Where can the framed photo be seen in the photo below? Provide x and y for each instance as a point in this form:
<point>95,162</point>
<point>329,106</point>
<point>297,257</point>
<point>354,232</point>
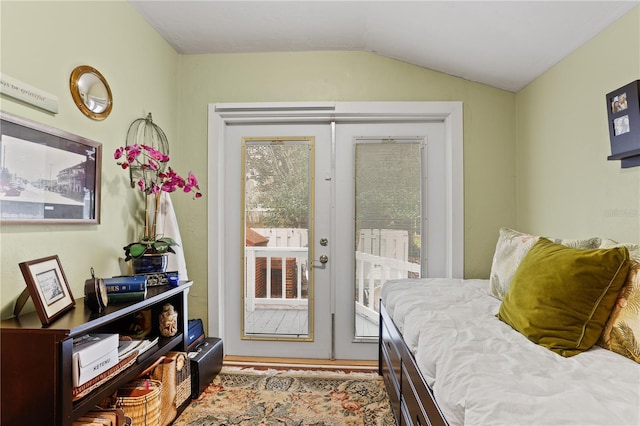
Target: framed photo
<point>619,102</point>
<point>621,125</point>
<point>623,112</point>
<point>48,287</point>
<point>47,175</point>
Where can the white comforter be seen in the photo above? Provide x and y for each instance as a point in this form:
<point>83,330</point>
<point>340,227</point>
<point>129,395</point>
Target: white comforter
<point>483,372</point>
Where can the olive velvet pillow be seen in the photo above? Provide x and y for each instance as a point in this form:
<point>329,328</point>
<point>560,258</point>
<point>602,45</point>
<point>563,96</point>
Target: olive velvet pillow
<point>561,297</point>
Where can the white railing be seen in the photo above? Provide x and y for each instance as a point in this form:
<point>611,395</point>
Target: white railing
<point>371,272</point>
<point>301,256</point>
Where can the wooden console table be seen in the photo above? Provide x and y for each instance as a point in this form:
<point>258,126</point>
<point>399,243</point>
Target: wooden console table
<point>36,367</point>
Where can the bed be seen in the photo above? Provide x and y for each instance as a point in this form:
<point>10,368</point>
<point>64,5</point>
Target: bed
<point>447,357</point>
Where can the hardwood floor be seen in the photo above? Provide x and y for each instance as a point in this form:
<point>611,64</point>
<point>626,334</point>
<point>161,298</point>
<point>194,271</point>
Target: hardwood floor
<point>354,365</point>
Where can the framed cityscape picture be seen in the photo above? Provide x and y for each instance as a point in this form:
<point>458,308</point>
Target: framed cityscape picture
<point>47,175</point>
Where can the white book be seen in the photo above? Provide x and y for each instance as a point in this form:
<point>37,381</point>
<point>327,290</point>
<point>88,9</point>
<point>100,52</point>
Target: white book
<point>126,347</point>
<point>146,345</point>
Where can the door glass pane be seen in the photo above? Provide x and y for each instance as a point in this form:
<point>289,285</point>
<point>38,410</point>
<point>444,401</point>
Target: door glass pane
<point>276,203</point>
<point>387,221</point>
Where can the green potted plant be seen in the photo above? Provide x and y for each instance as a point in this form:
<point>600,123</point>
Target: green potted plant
<point>154,177</point>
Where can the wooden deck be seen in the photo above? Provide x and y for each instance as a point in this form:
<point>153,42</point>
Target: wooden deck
<point>293,322</point>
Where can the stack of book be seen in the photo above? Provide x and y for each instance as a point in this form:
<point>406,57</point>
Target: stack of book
<point>127,347</point>
<point>102,417</point>
<point>130,288</point>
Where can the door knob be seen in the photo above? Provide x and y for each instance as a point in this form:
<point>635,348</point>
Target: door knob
<point>323,259</point>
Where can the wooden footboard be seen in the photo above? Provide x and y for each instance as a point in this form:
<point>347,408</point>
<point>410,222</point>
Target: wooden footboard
<point>412,401</point>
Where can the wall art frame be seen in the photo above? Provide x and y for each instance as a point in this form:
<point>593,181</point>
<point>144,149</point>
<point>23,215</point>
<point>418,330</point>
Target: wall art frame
<point>623,113</point>
<point>48,287</point>
<point>47,175</point>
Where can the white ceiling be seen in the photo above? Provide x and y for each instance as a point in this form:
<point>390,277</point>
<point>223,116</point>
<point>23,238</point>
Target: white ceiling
<point>505,44</point>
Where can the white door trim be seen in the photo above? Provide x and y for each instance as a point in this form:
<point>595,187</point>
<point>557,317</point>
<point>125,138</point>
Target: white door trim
<point>221,115</point>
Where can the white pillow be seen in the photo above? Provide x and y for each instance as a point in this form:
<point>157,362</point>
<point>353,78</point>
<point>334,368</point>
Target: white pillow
<point>512,247</point>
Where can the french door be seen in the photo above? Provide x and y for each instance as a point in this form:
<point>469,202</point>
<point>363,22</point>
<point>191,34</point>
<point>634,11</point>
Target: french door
<point>293,239</point>
<point>278,304</point>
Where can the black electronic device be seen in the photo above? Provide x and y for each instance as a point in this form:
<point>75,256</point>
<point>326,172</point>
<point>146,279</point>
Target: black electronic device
<point>206,363</point>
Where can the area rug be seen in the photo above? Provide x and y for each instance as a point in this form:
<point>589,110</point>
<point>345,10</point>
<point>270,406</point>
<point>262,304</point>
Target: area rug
<point>247,396</point>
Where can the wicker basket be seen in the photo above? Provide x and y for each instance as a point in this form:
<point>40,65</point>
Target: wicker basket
<point>183,377</point>
<point>144,410</point>
<point>174,373</point>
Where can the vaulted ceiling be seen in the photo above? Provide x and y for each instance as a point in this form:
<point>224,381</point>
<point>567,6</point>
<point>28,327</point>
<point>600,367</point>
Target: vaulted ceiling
<point>505,44</point>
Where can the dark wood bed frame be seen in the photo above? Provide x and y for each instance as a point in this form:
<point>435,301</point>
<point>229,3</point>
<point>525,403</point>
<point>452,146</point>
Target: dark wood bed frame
<point>412,401</point>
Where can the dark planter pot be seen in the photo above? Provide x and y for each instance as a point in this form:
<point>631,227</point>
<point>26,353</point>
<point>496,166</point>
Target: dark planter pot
<point>150,263</point>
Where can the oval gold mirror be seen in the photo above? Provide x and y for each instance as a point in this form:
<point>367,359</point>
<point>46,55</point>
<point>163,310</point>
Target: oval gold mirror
<point>91,92</point>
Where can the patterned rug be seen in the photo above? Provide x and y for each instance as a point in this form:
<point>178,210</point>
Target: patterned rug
<point>246,396</point>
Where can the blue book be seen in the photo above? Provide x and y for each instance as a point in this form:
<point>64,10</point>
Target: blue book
<point>126,284</point>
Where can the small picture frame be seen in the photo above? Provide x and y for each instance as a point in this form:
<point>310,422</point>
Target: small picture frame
<point>619,102</point>
<point>48,287</point>
<point>623,113</point>
<point>621,125</point>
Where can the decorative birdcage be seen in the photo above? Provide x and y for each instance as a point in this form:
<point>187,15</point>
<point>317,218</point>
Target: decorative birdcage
<point>146,155</point>
<point>144,131</point>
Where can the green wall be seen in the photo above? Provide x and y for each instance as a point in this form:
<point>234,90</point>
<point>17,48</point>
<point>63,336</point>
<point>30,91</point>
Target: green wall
<point>557,168</point>
<point>566,187</point>
<point>489,130</point>
<point>40,44</point>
